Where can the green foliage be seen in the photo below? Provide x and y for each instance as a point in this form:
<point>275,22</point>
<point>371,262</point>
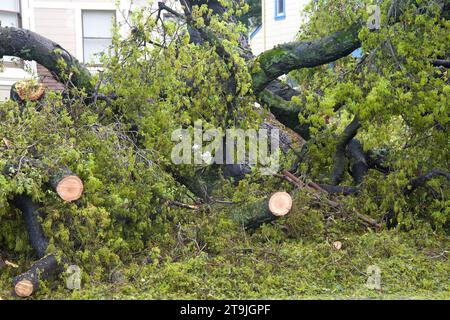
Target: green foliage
<point>400,98</point>
<point>121,150</point>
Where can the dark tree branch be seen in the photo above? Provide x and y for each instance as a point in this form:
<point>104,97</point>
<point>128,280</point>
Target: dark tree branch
<point>358,161</point>
<point>441,63</point>
<point>282,89</point>
<point>296,55</point>
<point>283,110</point>
<point>27,283</point>
<point>423,179</point>
<point>28,45</point>
<point>31,214</point>
<point>377,160</point>
<point>339,156</point>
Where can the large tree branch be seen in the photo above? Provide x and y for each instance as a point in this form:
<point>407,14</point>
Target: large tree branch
<point>423,179</point>
<point>339,156</point>
<point>296,55</point>
<point>31,213</point>
<point>28,45</point>
<point>358,161</point>
<point>282,89</point>
<point>304,54</point>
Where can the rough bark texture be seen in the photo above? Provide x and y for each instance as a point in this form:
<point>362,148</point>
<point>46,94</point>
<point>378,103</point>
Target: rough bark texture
<point>339,157</point>
<point>296,55</point>
<point>31,214</point>
<point>422,179</point>
<point>282,89</point>
<point>253,215</point>
<point>358,162</point>
<point>28,45</point>
<point>284,112</point>
<point>43,269</point>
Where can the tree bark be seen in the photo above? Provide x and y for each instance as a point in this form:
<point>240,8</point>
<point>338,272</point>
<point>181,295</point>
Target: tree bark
<point>31,214</point>
<point>422,179</point>
<point>358,161</point>
<point>304,54</point>
<point>27,283</point>
<point>28,45</point>
<point>339,156</point>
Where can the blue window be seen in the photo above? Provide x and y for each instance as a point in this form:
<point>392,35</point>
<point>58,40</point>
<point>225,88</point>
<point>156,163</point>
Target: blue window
<point>280,9</point>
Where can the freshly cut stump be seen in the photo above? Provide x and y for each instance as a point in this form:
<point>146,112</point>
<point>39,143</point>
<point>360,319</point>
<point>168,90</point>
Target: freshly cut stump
<point>265,210</point>
<point>27,283</point>
<point>70,188</point>
<point>24,288</point>
<point>280,204</point>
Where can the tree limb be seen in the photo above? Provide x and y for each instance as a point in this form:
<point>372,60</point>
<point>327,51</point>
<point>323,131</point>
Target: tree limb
<point>339,156</point>
<point>30,213</point>
<point>358,161</point>
<point>304,54</point>
<point>28,45</point>
<point>422,179</point>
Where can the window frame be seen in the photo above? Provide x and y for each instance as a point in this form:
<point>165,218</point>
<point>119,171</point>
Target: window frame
<point>280,15</point>
<point>18,13</point>
<point>83,37</point>
<point>14,62</point>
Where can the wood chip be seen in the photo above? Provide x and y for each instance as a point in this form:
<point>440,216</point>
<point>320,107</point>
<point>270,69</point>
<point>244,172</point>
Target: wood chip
<point>337,245</point>
<point>13,265</point>
<point>7,143</point>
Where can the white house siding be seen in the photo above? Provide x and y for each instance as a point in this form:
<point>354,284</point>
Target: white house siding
<point>12,72</point>
<point>58,20</point>
<point>257,41</point>
<point>61,21</point>
<point>46,20</point>
<point>273,31</point>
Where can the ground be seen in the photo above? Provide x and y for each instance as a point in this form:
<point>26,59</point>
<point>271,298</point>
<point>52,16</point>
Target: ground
<point>414,265</point>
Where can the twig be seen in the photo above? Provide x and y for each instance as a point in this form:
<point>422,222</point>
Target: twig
<point>184,205</point>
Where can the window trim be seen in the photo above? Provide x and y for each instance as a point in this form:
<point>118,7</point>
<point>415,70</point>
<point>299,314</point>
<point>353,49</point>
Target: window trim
<point>18,12</point>
<point>114,12</point>
<point>14,62</point>
<point>278,15</point>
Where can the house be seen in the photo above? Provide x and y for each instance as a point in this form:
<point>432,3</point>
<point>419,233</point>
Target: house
<point>82,27</point>
<point>281,21</point>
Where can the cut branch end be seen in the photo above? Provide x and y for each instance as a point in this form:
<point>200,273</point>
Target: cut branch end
<point>280,204</point>
<point>24,288</point>
<point>70,188</point>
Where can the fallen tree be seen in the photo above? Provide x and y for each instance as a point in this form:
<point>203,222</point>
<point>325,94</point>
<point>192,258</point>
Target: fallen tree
<point>118,137</point>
